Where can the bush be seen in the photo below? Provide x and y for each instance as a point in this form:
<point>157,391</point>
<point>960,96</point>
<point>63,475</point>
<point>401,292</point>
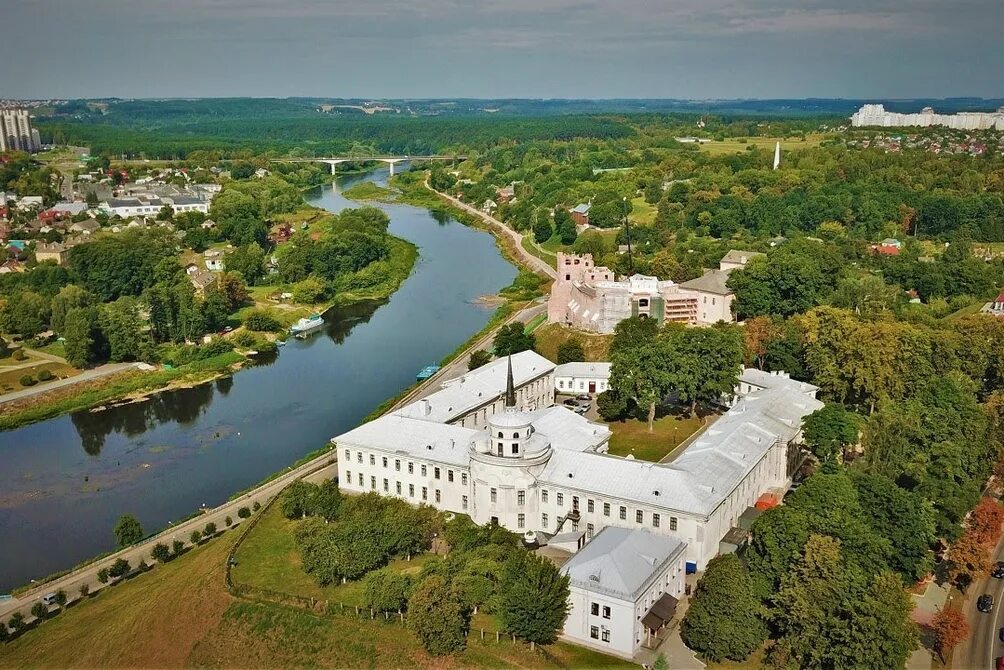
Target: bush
<point>16,621</point>
<point>19,355</point>
<point>611,406</point>
<point>103,575</point>
<point>160,552</point>
<point>479,358</point>
<point>195,536</point>
<point>256,506</point>
<point>209,530</point>
<point>177,547</point>
<point>61,597</point>
<point>120,568</point>
<point>570,351</point>
<point>229,521</point>
<point>39,611</point>
<point>244,339</point>
<point>44,375</point>
<point>386,590</point>
<point>84,590</point>
<point>27,380</point>
<point>262,321</point>
<point>244,512</point>
<point>4,633</point>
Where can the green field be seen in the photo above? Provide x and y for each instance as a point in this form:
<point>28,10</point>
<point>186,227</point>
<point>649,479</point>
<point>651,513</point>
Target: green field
<point>631,436</point>
<point>739,144</point>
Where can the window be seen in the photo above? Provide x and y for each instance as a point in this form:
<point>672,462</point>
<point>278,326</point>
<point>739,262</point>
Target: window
<point>449,475</point>
<point>348,455</point>
<point>520,520</point>
<point>425,493</point>
<point>575,503</point>
<point>639,517</point>
<point>623,513</point>
<point>359,457</point>
<point>372,459</point>
<point>589,505</point>
<point>397,486</point>
<point>411,490</point>
<point>424,471</point>
<point>384,461</point>
<point>348,476</point>
<point>594,631</point>
<point>360,479</point>
<point>606,611</point>
<point>515,449</point>
<point>500,433</point>
<point>439,497</point>
<point>672,523</point>
<point>397,464</point>
<point>655,520</point>
<point>463,502</point>
<point>373,483</point>
<point>594,609</point>
<point>605,636</point>
<point>543,521</point>
<point>606,509</point>
<point>463,478</point>
<point>561,499</point>
<point>411,468</point>
<point>521,498</point>
<point>386,485</point>
<point>494,495</point>
<point>435,473</point>
<point>543,495</point>
<point>589,530</point>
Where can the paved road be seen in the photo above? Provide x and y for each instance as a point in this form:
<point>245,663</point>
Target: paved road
<point>87,375</point>
<point>535,263</point>
<point>983,647</point>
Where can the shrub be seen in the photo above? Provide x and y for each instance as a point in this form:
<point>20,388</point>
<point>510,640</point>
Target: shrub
<point>16,621</point>
<point>119,568</point>
<point>61,597</point>
<point>244,512</point>
<point>4,633</point>
<point>209,530</point>
<point>479,358</point>
<point>262,321</point>
<point>244,339</point>
<point>195,536</point>
<point>229,521</point>
<point>611,406</point>
<point>103,575</point>
<point>177,547</point>
<point>160,552</point>
<point>19,355</point>
<point>84,590</point>
<point>256,506</point>
<point>27,380</point>
<point>44,375</point>
<point>39,611</point>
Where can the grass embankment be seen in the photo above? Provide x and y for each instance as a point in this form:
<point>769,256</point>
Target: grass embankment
<point>10,379</point>
<point>367,190</point>
<point>549,337</point>
<point>89,394</point>
<point>631,437</point>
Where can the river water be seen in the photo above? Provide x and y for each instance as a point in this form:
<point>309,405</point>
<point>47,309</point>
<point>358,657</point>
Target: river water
<point>64,482</point>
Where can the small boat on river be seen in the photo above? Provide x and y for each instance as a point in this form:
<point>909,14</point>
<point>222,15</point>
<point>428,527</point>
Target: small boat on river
<point>307,325</point>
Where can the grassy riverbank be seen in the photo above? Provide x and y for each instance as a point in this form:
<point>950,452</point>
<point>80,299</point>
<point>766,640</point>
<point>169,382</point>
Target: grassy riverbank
<point>129,384</point>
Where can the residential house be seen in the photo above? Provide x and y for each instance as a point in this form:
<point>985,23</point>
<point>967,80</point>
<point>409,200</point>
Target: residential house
<point>580,214</point>
<point>581,377</point>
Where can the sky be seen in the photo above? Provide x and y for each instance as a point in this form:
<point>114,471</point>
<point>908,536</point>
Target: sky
<point>695,49</point>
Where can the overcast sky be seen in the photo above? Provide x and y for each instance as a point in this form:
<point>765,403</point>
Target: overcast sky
<point>504,48</point>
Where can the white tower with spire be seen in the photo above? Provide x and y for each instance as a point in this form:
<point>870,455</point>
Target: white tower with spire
<point>777,155</point>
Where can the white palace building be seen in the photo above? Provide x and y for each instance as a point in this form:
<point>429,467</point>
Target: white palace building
<point>492,444</point>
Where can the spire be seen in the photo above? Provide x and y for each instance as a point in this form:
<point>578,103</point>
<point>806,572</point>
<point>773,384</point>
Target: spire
<point>510,390</point>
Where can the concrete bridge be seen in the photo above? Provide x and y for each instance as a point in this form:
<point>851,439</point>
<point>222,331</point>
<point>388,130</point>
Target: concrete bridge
<point>390,160</point>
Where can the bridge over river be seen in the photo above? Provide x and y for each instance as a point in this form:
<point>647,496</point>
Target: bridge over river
<point>334,161</point>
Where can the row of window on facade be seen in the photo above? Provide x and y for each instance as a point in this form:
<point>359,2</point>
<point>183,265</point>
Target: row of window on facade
<point>622,511</point>
<point>436,471</point>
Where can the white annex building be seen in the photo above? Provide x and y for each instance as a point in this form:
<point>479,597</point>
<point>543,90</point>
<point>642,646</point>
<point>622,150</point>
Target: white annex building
<point>492,445</point>
<point>623,589</point>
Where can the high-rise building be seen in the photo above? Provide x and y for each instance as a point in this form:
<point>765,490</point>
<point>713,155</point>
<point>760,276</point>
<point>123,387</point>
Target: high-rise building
<point>16,133</point>
<point>876,115</point>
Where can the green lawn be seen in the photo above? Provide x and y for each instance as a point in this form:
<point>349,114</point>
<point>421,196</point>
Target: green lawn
<point>739,144</point>
<point>631,436</point>
<point>540,252</point>
<point>642,212</point>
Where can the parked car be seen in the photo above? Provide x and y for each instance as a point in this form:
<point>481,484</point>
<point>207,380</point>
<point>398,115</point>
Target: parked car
<point>985,603</point>
<point>49,599</point>
<point>583,396</point>
<point>582,409</point>
<point>998,570</point>
<point>571,402</point>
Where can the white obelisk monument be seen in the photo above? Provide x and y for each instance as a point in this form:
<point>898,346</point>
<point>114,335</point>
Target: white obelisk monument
<point>777,155</point>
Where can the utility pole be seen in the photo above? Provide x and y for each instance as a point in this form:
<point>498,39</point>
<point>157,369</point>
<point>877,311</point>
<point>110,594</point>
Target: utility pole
<point>627,230</point>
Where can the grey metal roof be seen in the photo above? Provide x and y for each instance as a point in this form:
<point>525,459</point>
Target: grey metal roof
<point>712,281</point>
<point>583,369</point>
<point>621,562</point>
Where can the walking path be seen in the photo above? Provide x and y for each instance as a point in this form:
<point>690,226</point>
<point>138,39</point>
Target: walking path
<point>535,263</point>
<point>87,375</point>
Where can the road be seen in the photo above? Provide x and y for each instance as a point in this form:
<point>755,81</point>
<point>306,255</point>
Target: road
<point>87,375</point>
<point>536,264</point>
<point>983,647</point>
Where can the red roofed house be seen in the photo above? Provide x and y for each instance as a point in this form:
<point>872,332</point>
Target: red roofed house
<point>995,308</point>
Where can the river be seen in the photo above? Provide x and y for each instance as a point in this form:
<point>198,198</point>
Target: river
<point>64,482</point>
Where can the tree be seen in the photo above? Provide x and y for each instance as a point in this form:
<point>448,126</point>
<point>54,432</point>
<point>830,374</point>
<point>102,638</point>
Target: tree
<point>84,590</point>
<point>260,320</point>
<point>479,358</point>
<point>233,289</point>
<point>248,261</point>
<point>970,558</point>
<point>123,328</point>
<point>25,313</point>
<point>327,500</point>
<point>82,337</point>
<point>436,616</point>
<point>243,512</point>
<point>512,338</point>
<point>298,499</point>
<point>985,521</point>
<point>128,531</point>
<point>229,521</point>
<point>830,430</point>
<point>69,297</point>
<point>160,553</point>
<point>4,633</point>
<point>119,568</point>
<point>103,575</point>
<point>950,628</point>
<point>195,537</point>
<point>386,590</point>
<point>725,619</point>
<point>640,372</point>
<point>308,291</point>
<point>570,351</point>
<point>16,622</point>
<point>177,547</point>
<point>611,405</point>
<point>209,530</point>
<point>61,597</point>
<point>542,230</point>
<point>39,611</point>
<point>534,604</point>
